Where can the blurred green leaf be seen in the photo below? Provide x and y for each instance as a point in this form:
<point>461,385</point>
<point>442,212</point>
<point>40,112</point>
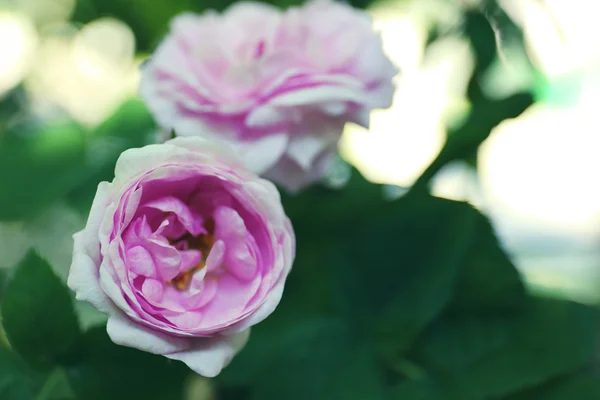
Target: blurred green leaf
<point>105,370</point>
<point>582,385</point>
<point>37,168</point>
<point>488,282</point>
<point>392,276</point>
<point>16,380</point>
<point>128,127</point>
<point>404,267</point>
<point>19,382</point>
<point>3,280</point>
<point>147,18</point>
<point>463,142</point>
<point>483,39</point>
<point>420,390</point>
<point>322,360</point>
<point>333,208</point>
<point>37,313</point>
<point>487,356</point>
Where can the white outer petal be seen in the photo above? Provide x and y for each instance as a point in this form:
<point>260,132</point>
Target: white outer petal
<point>261,154</point>
<point>84,272</point>
<point>125,332</point>
<point>208,356</point>
<point>319,94</point>
<point>258,155</point>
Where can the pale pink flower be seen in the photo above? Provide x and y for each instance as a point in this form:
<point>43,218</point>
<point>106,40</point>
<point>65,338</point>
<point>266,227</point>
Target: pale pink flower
<point>279,86</point>
<point>185,250</point>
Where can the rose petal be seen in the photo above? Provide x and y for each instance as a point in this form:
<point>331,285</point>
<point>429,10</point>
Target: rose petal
<point>140,261</point>
<point>208,356</point>
<point>84,277</point>
<point>216,256</point>
<point>230,228</point>
<point>170,204</point>
<point>125,332</point>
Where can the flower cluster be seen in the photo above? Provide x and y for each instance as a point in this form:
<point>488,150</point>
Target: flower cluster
<point>189,247</point>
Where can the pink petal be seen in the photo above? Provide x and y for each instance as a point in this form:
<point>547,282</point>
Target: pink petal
<point>193,223</point>
<point>189,259</point>
<point>187,320</point>
<point>208,292</point>
<point>140,261</point>
<point>216,256</point>
<point>153,290</point>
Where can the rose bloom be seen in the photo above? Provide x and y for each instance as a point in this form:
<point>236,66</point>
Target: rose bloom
<point>279,86</point>
<point>184,250</point>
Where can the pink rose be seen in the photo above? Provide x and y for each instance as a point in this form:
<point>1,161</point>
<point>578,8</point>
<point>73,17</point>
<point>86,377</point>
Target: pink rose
<point>278,86</point>
<point>185,250</point>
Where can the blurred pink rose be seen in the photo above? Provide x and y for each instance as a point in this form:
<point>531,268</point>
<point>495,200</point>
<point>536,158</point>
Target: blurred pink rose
<point>278,86</point>
<point>184,250</point>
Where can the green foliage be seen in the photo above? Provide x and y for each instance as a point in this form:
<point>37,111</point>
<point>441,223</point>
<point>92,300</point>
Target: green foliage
<point>130,126</point>
<point>486,113</point>
<point>37,313</point>
<point>493,355</point>
<point>583,385</point>
<point>16,381</point>
<point>39,166</point>
<point>107,371</point>
<point>422,303</point>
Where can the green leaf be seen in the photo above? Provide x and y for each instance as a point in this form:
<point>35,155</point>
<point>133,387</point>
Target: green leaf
<point>128,127</point>
<point>463,142</point>
<point>403,268</point>
<point>488,281</point>
<point>483,39</point>
<point>486,113</point>
<point>37,313</point>
<point>489,356</point>
<point>570,387</point>
<point>39,167</point>
<point>147,18</point>
<point>3,279</point>
<point>105,370</point>
<point>333,208</point>
<point>16,380</point>
<point>420,390</point>
<point>55,387</point>
<point>19,382</point>
<point>320,359</point>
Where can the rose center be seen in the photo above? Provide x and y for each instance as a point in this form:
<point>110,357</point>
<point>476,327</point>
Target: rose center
<point>204,244</point>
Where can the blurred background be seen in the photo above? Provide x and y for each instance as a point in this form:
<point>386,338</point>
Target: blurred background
<point>68,78</point>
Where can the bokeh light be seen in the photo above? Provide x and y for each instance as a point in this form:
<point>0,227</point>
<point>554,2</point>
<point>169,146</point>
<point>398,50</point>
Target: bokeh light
<point>542,166</point>
<point>404,139</point>
<point>87,71</point>
<point>562,37</point>
<point>18,42</point>
<point>42,12</point>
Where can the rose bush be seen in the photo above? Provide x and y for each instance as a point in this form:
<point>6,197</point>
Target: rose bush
<point>278,86</point>
<point>185,250</point>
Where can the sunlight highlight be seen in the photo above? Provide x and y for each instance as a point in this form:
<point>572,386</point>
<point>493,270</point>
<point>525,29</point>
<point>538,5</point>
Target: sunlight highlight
<point>18,42</point>
<point>542,168</point>
<point>89,71</point>
<point>562,36</point>
<point>403,140</point>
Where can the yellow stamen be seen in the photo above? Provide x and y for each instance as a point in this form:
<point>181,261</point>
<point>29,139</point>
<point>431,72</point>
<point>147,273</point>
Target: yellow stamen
<point>204,243</point>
